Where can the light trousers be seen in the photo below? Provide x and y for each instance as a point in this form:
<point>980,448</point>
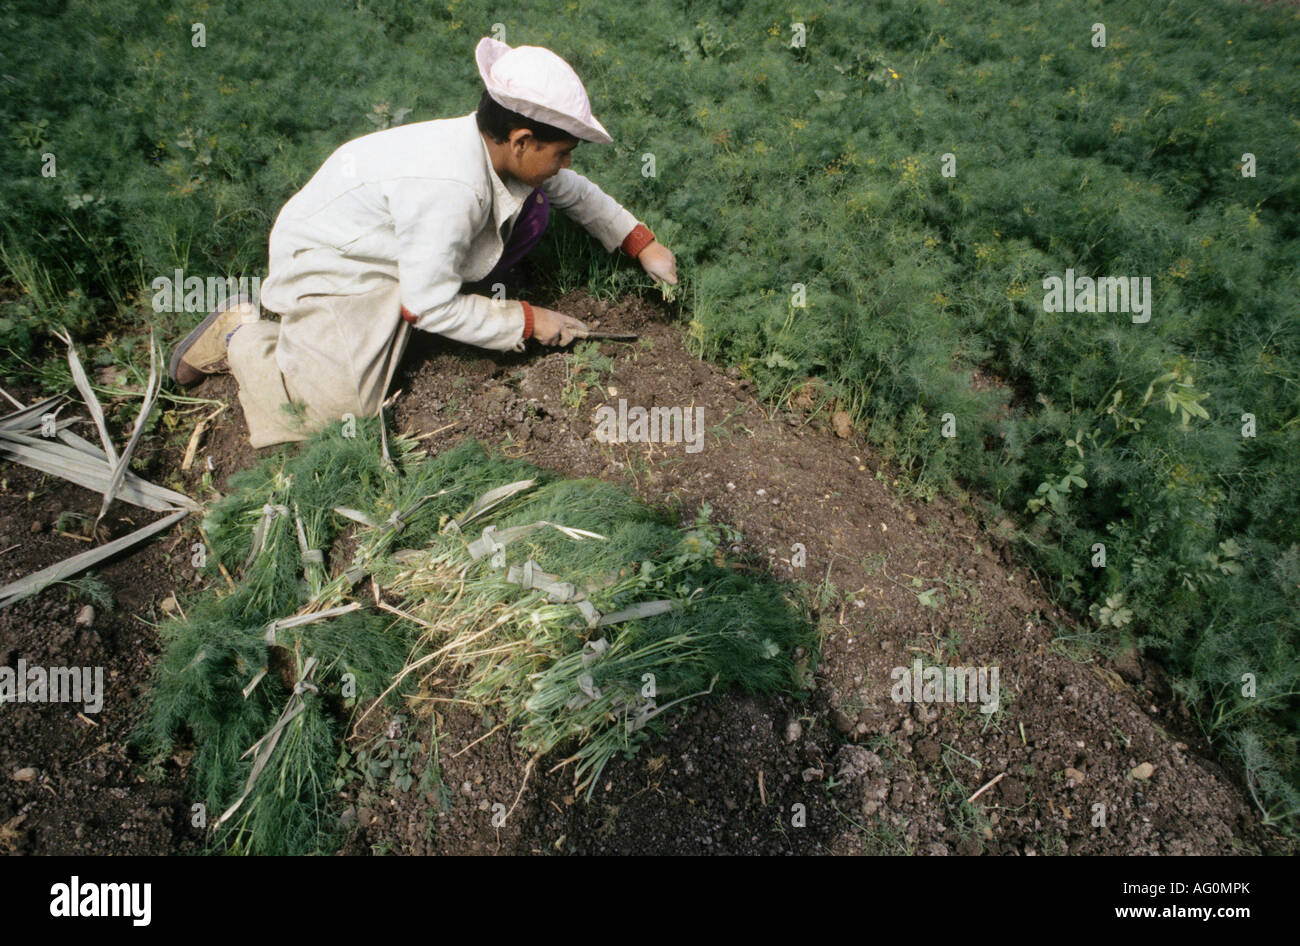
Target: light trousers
<point>331,356</point>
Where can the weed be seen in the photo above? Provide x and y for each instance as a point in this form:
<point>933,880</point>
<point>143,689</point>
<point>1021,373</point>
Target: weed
<point>91,589</point>
<point>583,369</point>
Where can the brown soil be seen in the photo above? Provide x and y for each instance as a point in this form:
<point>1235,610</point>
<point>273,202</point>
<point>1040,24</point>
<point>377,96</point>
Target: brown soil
<point>846,771</point>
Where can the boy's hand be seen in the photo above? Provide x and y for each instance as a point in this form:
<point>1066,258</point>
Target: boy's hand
<point>555,328</point>
<point>657,260</point>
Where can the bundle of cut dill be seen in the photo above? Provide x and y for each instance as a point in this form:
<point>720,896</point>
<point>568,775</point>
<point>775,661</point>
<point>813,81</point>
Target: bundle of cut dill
<point>572,611</point>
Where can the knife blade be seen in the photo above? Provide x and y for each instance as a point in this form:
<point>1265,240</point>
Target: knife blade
<point>608,336</point>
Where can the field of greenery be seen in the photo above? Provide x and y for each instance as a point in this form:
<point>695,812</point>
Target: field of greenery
<point>779,164</point>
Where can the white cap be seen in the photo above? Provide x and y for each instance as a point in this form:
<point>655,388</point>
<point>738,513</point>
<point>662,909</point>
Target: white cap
<point>540,85</point>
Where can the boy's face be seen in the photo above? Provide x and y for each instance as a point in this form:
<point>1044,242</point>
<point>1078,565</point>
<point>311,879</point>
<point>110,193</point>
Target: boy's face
<point>533,161</point>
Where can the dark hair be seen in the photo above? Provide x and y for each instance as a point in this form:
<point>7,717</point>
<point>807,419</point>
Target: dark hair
<point>498,121</point>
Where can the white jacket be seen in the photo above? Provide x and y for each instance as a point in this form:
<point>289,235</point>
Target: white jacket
<point>420,204</point>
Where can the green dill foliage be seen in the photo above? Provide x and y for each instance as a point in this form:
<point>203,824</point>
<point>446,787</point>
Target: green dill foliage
<point>91,589</point>
<point>221,647</point>
<point>226,681</point>
<point>594,689</point>
<point>818,165</point>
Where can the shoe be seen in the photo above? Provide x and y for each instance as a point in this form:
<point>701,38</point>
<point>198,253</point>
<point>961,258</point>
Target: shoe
<point>203,351</point>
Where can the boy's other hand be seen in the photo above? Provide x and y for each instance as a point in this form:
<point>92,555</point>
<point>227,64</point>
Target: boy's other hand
<point>555,328</point>
<point>657,260</point>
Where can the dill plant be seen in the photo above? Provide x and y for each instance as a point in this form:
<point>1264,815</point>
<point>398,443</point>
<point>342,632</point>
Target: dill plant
<point>817,165</point>
<point>231,674</point>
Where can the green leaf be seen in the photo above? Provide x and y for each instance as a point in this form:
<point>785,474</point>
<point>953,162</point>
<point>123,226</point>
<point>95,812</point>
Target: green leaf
<point>930,598</point>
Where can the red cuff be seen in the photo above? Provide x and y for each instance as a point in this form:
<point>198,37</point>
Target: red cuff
<point>408,315</point>
<point>528,319</point>
<point>637,240</point>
